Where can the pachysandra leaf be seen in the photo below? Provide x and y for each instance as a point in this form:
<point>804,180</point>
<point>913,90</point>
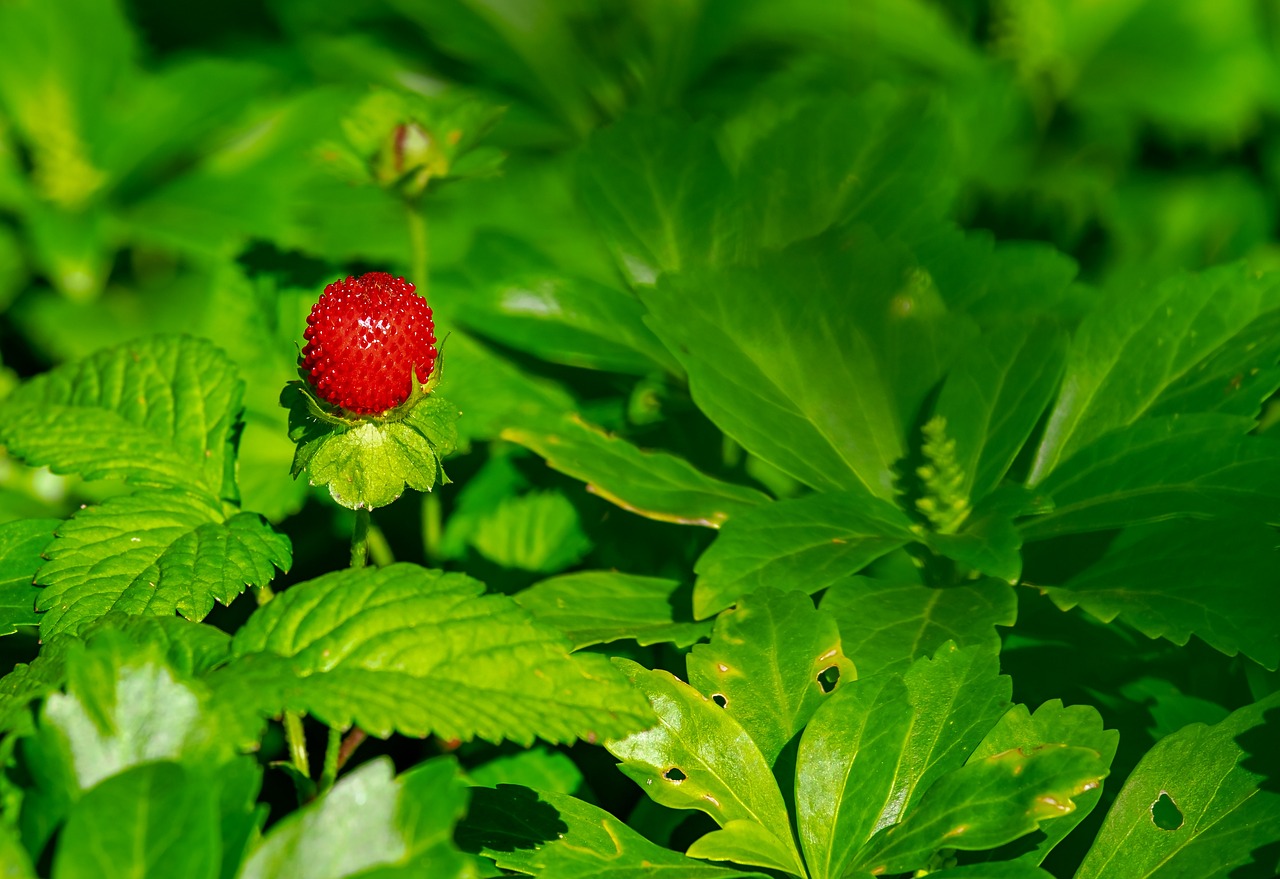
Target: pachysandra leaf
<point>155,552</point>
<point>807,544</point>
<point>1201,802</point>
<point>557,835</point>
<point>1168,581</point>
<point>21,544</point>
<point>699,757</point>
<point>656,485</point>
<point>162,411</point>
<point>597,607</point>
<point>771,663</point>
<point>885,625</point>
<point>419,651</point>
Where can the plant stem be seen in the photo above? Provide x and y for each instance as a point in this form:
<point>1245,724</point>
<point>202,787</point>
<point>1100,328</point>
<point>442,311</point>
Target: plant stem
<point>297,742</point>
<point>379,549</point>
<point>263,593</point>
<point>431,527</point>
<point>329,774</point>
<point>349,745</point>
<point>417,245</point>
<point>360,540</point>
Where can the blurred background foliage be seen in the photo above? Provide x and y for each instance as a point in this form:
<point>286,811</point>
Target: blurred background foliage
<point>208,168</point>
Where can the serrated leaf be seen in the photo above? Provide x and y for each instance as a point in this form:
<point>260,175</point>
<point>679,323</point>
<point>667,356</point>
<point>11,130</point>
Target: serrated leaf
<point>1196,466</point>
<point>418,651</point>
<point>155,551</point>
<point>699,757</point>
<point>538,531</point>
<point>542,833</point>
<point>369,820</point>
<point>1200,802</point>
<point>989,542</point>
<point>657,485</point>
<point>368,464</point>
<point>1134,346</point>
<point>771,662</point>
<point>21,543</point>
<point>873,749</point>
<point>1169,581</point>
<point>161,411</point>
<point>985,803</point>
<point>1079,726</point>
<point>805,544</point>
<point>597,607</point>
<point>157,813</point>
<point>1235,379</point>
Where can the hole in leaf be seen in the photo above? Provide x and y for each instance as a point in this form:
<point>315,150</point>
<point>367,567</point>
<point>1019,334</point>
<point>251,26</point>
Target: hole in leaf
<point>1165,813</point>
<point>828,678</point>
<point>674,774</point>
<point>719,699</point>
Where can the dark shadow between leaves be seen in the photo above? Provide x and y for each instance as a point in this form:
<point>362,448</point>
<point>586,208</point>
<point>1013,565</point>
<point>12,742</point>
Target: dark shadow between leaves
<point>508,818</point>
<point>1260,753</point>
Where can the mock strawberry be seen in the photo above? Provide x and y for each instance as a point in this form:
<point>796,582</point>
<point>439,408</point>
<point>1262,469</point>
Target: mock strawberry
<point>365,339</point>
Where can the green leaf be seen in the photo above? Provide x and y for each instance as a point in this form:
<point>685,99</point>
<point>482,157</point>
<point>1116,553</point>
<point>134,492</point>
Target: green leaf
<point>1197,466</point>
<point>418,651</point>
<point>367,464</point>
<point>15,863</point>
<point>541,833</point>
<point>538,767</point>
<point>1236,379</point>
<point>805,544</point>
<point>597,607</point>
<point>1134,346</point>
<point>771,662</point>
<point>699,757</point>
<point>370,819</point>
<point>987,802</point>
<point>1079,726</point>
<point>989,542</point>
<point>539,531</point>
<point>154,552</point>
<point>878,744</point>
<point>161,412</point>
<point>996,393</point>
<point>21,543</point>
<point>885,625</point>
<point>657,485</point>
<point>1169,581</point>
<point>152,815</point>
<point>1196,805</point>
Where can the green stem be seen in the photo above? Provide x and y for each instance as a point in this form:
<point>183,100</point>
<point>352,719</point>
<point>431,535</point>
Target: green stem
<point>379,549</point>
<point>263,594</point>
<point>329,774</point>
<point>432,527</point>
<point>360,540</point>
<point>417,245</point>
<point>297,742</point>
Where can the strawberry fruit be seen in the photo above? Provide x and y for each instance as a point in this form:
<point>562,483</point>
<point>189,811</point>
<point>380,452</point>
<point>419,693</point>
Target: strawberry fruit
<point>366,339</point>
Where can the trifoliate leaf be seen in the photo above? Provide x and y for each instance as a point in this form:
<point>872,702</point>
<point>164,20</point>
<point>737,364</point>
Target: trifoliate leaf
<point>161,411</point>
<point>21,543</point>
<point>419,651</point>
<point>155,552</point>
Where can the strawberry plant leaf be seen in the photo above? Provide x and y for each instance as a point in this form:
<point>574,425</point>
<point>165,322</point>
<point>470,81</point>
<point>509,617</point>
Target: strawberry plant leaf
<point>597,607</point>
<point>700,757</point>
<point>995,395</point>
<point>542,833</point>
<point>1079,726</point>
<point>656,485</point>
<point>418,651</point>
<point>873,749</point>
<point>21,542</point>
<point>771,662</point>
<point>987,802</point>
<point>155,551</point>
<point>368,464</point>
<point>162,411</point>
<point>1167,581</point>
<point>1196,466</point>
<point>402,827</point>
<point>885,625</point>
<point>1132,347</point>
<point>155,813</point>
<point>807,544</point>
<point>539,531</point>
<point>1200,802</point>
<point>538,767</point>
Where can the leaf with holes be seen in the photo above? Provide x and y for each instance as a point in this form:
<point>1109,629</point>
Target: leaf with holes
<point>699,757</point>
<point>162,411</point>
<point>416,651</point>
<point>1204,800</point>
<point>155,552</point>
<point>771,663</point>
<point>21,543</point>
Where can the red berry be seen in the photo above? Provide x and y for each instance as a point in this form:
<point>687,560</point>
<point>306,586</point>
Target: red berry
<point>364,338</point>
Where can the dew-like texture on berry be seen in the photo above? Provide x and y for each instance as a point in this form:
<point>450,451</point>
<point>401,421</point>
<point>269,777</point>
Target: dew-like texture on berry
<point>365,337</point>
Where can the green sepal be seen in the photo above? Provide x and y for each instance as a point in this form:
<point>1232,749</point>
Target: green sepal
<point>366,462</point>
